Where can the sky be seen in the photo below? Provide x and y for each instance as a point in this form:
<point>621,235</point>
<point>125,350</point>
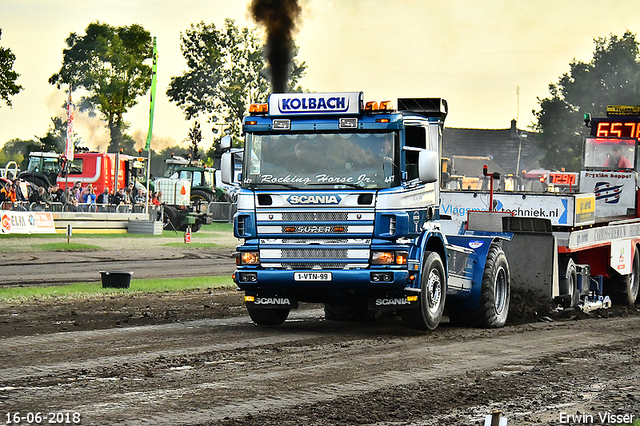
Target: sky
<point>490,59</point>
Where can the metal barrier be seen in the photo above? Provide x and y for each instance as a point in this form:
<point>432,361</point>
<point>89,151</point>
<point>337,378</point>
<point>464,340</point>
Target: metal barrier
<point>74,208</point>
<point>221,211</point>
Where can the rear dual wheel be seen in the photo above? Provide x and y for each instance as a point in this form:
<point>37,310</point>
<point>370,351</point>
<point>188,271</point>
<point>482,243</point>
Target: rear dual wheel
<point>495,295</point>
<point>625,287</point>
<point>569,284</point>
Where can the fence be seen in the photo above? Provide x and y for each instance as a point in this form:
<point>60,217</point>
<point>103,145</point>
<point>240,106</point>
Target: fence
<point>89,216</point>
<point>222,212</point>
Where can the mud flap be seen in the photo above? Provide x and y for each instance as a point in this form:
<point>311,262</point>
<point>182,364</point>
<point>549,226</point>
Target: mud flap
<point>270,302</point>
<point>533,257</point>
<point>391,303</point>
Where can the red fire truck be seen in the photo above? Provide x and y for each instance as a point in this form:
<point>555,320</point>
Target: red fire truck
<point>102,170</point>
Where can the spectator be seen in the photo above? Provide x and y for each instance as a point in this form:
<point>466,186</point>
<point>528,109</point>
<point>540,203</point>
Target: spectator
<point>8,196</point>
<point>133,189</point>
<point>122,197</point>
<point>21,188</point>
<point>88,196</point>
<point>141,198</point>
<point>157,198</point>
<point>78,186</point>
<point>75,194</point>
<point>128,193</point>
<point>64,197</point>
<point>9,192</point>
<point>104,197</point>
<point>54,193</point>
<point>41,196</point>
<point>69,199</point>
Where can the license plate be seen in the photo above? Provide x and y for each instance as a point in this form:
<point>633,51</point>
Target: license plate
<point>312,276</point>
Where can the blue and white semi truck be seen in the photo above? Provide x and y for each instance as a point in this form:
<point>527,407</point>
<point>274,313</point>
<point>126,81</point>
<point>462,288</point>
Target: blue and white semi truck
<point>339,205</point>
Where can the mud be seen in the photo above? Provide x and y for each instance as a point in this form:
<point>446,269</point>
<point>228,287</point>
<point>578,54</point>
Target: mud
<point>195,358</point>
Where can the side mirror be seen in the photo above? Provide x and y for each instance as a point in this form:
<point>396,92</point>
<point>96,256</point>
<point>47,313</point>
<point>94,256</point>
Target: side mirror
<point>225,142</point>
<point>428,166</point>
<point>226,168</point>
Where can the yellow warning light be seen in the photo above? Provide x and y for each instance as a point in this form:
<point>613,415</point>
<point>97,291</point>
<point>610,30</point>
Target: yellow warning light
<point>412,298</point>
<point>249,299</point>
<point>385,106</point>
<point>258,108</point>
<point>371,106</point>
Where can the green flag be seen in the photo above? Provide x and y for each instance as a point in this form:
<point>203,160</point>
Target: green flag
<point>153,93</point>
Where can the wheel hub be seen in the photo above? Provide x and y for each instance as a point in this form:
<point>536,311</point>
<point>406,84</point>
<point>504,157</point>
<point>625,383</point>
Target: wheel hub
<point>434,291</point>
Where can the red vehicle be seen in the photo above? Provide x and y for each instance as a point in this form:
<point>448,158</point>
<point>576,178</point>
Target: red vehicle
<point>100,169</point>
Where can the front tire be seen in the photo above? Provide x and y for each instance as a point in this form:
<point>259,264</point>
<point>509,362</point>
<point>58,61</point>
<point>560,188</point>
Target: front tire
<point>432,297</point>
<point>268,317</point>
<point>170,218</point>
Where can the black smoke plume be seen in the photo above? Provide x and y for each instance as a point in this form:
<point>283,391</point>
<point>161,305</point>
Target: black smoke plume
<point>279,19</point>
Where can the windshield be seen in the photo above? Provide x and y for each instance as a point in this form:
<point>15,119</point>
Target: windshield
<point>609,153</point>
<point>48,165</point>
<point>336,160</point>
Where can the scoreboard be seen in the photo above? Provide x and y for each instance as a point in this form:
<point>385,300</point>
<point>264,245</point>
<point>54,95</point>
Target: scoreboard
<point>622,121</point>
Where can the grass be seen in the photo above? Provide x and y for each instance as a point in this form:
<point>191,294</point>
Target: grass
<point>92,241</point>
<point>193,245</point>
<point>214,228</point>
<point>88,290</point>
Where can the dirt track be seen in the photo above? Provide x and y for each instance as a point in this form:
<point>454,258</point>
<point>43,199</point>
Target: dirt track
<point>195,358</point>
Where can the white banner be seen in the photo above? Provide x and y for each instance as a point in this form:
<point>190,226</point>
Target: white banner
<point>69,151</point>
<point>27,222</point>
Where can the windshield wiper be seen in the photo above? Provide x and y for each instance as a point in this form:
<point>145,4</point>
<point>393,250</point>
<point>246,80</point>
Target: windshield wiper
<point>286,185</point>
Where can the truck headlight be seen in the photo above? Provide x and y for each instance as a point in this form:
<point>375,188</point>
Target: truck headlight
<point>248,258</point>
<point>389,257</point>
<point>382,258</point>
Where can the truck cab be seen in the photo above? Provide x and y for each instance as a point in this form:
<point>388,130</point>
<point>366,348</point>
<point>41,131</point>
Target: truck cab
<point>339,205</point>
<point>42,169</point>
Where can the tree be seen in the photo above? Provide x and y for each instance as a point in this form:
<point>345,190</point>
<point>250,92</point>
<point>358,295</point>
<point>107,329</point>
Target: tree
<point>226,73</point>
<point>8,76</point>
<point>109,63</point>
<point>56,137</point>
<point>18,150</point>
<point>195,138</point>
<point>612,77</point>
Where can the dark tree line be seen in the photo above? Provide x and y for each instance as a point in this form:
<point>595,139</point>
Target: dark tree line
<point>612,77</point>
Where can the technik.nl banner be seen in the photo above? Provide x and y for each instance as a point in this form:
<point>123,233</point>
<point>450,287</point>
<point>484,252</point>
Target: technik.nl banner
<point>27,222</point>
<point>457,205</point>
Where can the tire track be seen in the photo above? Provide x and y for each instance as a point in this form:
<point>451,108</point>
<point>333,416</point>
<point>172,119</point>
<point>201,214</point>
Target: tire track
<point>251,370</point>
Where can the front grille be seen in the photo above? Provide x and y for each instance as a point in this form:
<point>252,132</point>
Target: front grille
<point>308,253</point>
<point>315,265</point>
<point>323,241</point>
<point>314,229</point>
<point>309,216</point>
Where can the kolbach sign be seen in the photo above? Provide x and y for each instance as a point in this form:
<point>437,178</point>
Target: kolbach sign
<point>27,222</point>
<point>283,104</point>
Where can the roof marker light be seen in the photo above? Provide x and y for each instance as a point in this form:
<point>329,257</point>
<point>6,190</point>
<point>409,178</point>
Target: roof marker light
<point>258,108</point>
<point>371,106</point>
<point>386,106</point>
